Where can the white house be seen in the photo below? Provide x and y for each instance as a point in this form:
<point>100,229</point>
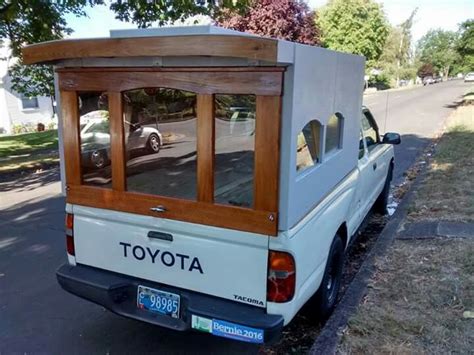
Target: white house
<point>16,109</point>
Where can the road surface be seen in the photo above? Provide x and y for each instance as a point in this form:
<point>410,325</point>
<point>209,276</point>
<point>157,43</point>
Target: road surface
<point>37,316</point>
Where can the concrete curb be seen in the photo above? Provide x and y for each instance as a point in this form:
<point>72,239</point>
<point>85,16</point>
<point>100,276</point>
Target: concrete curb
<point>328,339</point>
<point>436,229</point>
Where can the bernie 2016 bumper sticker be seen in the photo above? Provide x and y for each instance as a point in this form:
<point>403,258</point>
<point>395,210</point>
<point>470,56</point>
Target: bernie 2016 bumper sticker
<point>227,329</point>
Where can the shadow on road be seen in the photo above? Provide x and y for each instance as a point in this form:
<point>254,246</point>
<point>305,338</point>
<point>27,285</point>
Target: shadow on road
<point>28,181</point>
<point>407,153</point>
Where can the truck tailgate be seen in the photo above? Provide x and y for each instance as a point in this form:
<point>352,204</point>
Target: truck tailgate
<point>215,261</point>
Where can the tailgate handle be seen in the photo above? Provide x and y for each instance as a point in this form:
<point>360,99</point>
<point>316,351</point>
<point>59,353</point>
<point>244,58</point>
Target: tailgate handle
<point>158,209</point>
<point>160,235</point>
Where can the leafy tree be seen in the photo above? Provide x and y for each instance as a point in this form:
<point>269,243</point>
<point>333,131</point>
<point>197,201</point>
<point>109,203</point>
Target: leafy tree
<point>354,26</point>
<point>465,46</point>
<point>31,21</point>
<point>23,22</point>
<point>283,19</point>
<point>426,69</point>
<point>145,13</point>
<point>438,47</point>
<point>396,59</point>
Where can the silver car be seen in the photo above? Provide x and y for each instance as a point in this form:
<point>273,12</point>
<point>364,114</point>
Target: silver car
<point>95,141</point>
<point>469,77</point>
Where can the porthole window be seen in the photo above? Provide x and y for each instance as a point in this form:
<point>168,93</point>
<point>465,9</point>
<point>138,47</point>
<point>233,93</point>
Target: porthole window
<point>334,133</point>
<point>308,146</point>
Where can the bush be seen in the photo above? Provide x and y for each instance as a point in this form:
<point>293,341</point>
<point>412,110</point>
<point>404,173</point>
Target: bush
<point>23,128</point>
<point>381,82</point>
<point>52,125</point>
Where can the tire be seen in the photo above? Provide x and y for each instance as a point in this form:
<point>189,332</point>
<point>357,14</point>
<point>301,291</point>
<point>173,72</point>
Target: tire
<point>325,298</point>
<point>380,205</point>
<point>153,144</point>
<point>99,159</point>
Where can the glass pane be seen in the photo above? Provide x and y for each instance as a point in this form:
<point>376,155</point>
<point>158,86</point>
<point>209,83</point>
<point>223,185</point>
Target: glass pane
<point>95,139</point>
<point>370,134</point>
<point>308,143</point>
<point>29,102</point>
<point>160,140</point>
<point>235,147</point>
<point>333,133</point>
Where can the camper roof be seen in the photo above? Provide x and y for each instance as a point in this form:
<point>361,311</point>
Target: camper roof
<point>209,41</point>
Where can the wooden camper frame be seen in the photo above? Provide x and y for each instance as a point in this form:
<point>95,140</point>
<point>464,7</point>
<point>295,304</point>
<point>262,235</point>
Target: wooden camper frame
<point>264,82</point>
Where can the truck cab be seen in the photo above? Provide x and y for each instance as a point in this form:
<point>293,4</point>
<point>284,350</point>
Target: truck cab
<point>265,168</point>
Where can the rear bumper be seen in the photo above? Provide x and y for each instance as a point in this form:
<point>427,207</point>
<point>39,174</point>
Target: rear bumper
<point>118,293</point>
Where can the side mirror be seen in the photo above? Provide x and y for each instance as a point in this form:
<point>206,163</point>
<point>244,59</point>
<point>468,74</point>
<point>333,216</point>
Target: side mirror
<point>135,126</point>
<point>391,138</point>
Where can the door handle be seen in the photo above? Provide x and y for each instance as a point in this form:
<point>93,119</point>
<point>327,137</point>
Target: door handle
<point>159,208</point>
<point>374,166</point>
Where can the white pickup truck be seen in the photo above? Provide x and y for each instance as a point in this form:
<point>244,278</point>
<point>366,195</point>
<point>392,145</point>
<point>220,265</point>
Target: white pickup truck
<point>267,168</point>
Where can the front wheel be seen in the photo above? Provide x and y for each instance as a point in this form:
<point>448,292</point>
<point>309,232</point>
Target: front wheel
<point>325,298</point>
<point>153,144</point>
<point>380,205</point>
<point>99,159</point>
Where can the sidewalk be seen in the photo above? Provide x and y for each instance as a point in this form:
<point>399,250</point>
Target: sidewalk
<point>420,298</point>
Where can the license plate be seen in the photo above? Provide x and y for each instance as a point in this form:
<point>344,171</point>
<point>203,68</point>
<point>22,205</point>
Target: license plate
<point>158,301</point>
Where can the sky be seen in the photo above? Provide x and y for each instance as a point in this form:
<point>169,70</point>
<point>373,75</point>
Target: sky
<point>445,14</point>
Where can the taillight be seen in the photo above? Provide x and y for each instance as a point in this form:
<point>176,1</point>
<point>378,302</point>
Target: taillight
<point>70,234</point>
<point>281,277</point>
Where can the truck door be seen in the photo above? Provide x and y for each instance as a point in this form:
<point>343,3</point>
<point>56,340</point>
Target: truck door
<point>372,164</point>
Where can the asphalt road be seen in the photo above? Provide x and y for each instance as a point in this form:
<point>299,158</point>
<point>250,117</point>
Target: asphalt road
<point>37,316</point>
<point>417,114</point>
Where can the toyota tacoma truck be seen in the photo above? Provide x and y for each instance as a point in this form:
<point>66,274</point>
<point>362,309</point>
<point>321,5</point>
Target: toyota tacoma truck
<point>267,167</point>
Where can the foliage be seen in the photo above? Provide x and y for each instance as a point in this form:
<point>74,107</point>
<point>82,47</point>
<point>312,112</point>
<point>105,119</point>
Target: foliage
<point>396,59</point>
<point>283,19</point>
<point>465,46</point>
<point>24,22</point>
<point>31,21</point>
<point>438,47</point>
<point>426,69</point>
<point>354,26</point>
<point>32,80</point>
<point>144,13</point>
<point>381,81</point>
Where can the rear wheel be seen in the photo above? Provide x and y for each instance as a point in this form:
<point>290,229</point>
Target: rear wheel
<point>380,205</point>
<point>325,298</point>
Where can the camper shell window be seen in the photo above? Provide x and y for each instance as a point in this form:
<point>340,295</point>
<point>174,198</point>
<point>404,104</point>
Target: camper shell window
<point>199,145</point>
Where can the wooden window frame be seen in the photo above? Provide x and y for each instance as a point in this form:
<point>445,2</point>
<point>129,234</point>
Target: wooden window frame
<point>265,83</point>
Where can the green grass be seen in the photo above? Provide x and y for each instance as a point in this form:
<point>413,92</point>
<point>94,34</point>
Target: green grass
<point>447,192</point>
<point>28,150</point>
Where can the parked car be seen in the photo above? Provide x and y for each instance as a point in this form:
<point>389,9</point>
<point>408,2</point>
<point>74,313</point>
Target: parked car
<point>469,77</point>
<point>428,80</point>
<point>95,141</point>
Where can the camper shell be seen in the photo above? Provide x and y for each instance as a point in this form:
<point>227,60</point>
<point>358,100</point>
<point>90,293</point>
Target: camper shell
<point>271,164</point>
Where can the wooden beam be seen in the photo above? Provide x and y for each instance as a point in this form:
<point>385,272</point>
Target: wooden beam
<point>117,141</point>
<point>205,147</point>
<point>254,48</point>
<point>169,69</point>
<point>71,139</point>
<point>224,216</point>
<point>257,83</point>
<point>267,153</point>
